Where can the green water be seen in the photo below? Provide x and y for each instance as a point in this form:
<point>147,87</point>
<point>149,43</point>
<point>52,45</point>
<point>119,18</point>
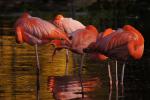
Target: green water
<point>18,76</point>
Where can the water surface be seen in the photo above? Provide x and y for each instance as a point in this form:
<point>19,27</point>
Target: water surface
<point>18,75</point>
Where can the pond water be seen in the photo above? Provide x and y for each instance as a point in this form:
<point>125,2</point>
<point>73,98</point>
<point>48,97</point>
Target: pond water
<point>18,75</point>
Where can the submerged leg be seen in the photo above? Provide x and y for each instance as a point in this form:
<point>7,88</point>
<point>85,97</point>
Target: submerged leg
<point>122,78</point>
<point>37,73</point>
<point>110,77</point>
<point>81,64</point>
<point>122,75</point>
<point>80,75</point>
<point>67,61</point>
<point>54,52</point>
<point>110,94</point>
<point>116,73</point>
<point>81,84</point>
<point>117,92</point>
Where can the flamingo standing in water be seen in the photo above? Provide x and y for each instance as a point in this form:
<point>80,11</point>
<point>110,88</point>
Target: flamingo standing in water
<point>119,45</point>
<point>36,31</point>
<point>69,26</point>
<point>82,38</point>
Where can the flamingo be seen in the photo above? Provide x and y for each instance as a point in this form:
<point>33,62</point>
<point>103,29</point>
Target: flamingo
<point>36,31</point>
<point>82,38</point>
<point>119,45</point>
<point>69,26</point>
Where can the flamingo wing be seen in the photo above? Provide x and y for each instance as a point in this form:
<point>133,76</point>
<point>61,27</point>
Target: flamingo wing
<point>136,47</point>
<point>36,27</point>
<point>39,28</point>
<point>83,38</point>
<point>69,25</point>
<point>115,44</point>
<point>119,44</point>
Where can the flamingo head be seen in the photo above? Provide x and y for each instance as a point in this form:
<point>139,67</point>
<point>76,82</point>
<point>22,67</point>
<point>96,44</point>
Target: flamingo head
<point>59,17</point>
<point>58,21</point>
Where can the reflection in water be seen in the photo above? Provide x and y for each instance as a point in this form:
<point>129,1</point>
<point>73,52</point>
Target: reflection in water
<point>18,76</point>
<point>110,94</point>
<point>69,87</point>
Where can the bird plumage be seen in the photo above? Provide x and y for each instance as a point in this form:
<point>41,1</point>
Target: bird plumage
<point>83,37</point>
<point>68,25</point>
<point>120,43</point>
<point>34,30</point>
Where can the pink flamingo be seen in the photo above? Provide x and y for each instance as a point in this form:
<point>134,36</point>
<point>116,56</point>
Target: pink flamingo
<point>119,45</point>
<point>36,31</point>
<point>82,38</point>
<point>69,26</point>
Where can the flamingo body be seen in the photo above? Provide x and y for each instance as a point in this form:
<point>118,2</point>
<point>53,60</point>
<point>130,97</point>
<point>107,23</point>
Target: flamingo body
<point>121,44</point>
<point>33,30</point>
<point>82,38</point>
<point>36,31</point>
<point>68,25</point>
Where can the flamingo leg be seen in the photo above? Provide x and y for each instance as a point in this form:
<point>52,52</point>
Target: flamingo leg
<point>109,73</point>
<point>116,80</point>
<point>116,73</point>
<point>37,73</point>
<point>81,64</point>
<point>81,84</point>
<point>80,74</point>
<point>67,61</point>
<point>122,78</point>
<point>54,52</point>
<point>122,75</point>
<point>117,92</point>
<point>110,94</point>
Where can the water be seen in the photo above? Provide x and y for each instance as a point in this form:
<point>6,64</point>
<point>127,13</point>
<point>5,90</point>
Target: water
<point>18,76</point>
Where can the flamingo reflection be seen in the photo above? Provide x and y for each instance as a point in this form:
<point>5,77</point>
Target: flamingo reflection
<point>119,92</point>
<point>67,87</point>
